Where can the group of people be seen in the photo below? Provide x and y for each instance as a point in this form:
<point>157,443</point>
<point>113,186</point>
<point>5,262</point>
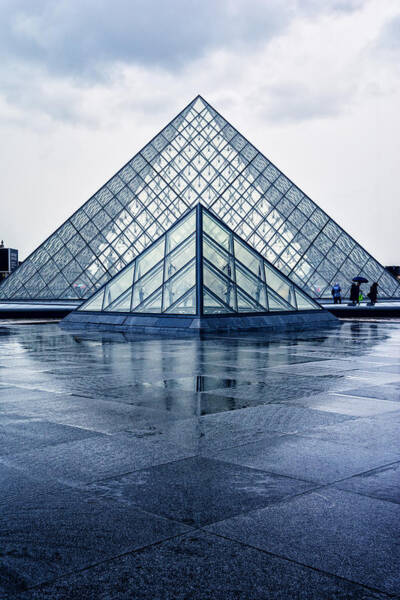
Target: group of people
<point>356,295</point>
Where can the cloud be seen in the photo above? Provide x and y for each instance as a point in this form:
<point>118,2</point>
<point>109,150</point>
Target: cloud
<point>80,39</point>
<point>388,40</point>
<point>295,101</point>
<point>332,6</point>
<point>84,38</point>
<point>57,58</point>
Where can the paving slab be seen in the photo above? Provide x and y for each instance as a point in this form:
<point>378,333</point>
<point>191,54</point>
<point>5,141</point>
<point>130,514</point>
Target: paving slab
<point>347,404</point>
<point>316,460</point>
<point>54,535</point>
<point>379,392</point>
<point>94,414</point>
<point>383,483</point>
<point>22,436</point>
<point>200,566</point>
<point>199,490</point>
<point>97,458</point>
<point>379,433</point>
<point>345,534</point>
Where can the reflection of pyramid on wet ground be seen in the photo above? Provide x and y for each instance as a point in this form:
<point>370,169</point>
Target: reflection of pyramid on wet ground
<point>198,157</point>
<point>198,268</point>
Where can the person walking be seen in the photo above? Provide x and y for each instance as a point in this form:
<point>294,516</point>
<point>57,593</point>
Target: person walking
<point>336,293</point>
<point>373,293</point>
<point>354,293</point>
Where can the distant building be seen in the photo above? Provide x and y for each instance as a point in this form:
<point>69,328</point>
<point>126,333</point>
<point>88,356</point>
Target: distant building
<point>8,260</point>
<point>393,270</point>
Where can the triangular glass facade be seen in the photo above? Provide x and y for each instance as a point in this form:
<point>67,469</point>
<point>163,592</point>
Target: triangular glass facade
<point>198,157</point>
<point>199,267</point>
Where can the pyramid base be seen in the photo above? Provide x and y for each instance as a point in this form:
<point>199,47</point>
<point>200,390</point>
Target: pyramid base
<point>178,325</point>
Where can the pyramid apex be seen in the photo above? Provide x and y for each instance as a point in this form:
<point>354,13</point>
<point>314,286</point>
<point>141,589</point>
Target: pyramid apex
<point>199,103</point>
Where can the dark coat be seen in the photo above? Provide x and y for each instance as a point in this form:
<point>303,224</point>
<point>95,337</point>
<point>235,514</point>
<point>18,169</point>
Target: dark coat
<point>373,292</point>
<point>354,292</point>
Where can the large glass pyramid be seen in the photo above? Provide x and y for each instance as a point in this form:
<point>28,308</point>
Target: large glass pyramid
<point>199,267</point>
<point>198,157</point>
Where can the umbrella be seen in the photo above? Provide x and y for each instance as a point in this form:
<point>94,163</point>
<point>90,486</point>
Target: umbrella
<point>360,280</point>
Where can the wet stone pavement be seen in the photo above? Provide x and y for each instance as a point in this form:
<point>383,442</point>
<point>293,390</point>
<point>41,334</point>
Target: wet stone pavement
<point>246,467</point>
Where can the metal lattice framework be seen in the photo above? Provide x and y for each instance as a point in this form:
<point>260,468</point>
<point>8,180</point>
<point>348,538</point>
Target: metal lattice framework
<point>199,267</point>
<point>198,158</point>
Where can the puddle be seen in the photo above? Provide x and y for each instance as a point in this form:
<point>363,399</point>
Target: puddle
<point>199,383</point>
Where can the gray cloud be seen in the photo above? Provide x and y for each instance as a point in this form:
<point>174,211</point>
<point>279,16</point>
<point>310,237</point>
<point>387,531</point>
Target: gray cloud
<point>80,38</point>
<point>289,102</point>
<point>53,53</point>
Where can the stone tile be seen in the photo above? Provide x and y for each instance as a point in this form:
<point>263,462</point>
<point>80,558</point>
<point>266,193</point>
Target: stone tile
<point>22,436</point>
<point>346,404</point>
<point>17,489</point>
<point>369,377</point>
<point>306,458</point>
<point>280,418</point>
<point>379,392</point>
<point>382,368</point>
<point>379,434</point>
<point>199,490</point>
<point>95,414</point>
<point>200,566</point>
<point>344,534</point>
<point>201,434</point>
<point>383,483</point>
<point>237,427</point>
<point>317,369</point>
<point>14,393</point>
<point>277,391</point>
<point>54,535</point>
<point>96,458</point>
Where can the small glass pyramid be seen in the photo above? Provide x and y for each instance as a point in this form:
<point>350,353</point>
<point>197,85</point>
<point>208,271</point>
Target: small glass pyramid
<point>199,267</point>
<point>197,158</point>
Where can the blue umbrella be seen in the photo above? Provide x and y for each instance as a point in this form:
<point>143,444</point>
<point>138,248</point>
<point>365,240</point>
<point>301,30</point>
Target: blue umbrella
<point>360,279</point>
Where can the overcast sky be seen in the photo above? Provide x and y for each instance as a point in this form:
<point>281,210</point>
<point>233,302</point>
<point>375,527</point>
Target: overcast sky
<point>314,84</point>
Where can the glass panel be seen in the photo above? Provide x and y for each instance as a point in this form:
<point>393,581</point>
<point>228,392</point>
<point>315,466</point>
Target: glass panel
<point>218,257</point>
<point>222,287</point>
<point>117,286</point>
<point>184,306</point>
<point>304,303</point>
<point>213,306</point>
<point>253,286</point>
<point>275,302</point>
<point>95,303</point>
<point>150,258</point>
<point>122,304</point>
<point>179,285</point>
<point>372,270</point>
<point>147,285</point>
<point>151,305</point>
<point>279,285</point>
<point>317,284</point>
<point>180,257</point>
<point>217,233</point>
<point>248,258</point>
<point>181,232</point>
<point>246,304</point>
